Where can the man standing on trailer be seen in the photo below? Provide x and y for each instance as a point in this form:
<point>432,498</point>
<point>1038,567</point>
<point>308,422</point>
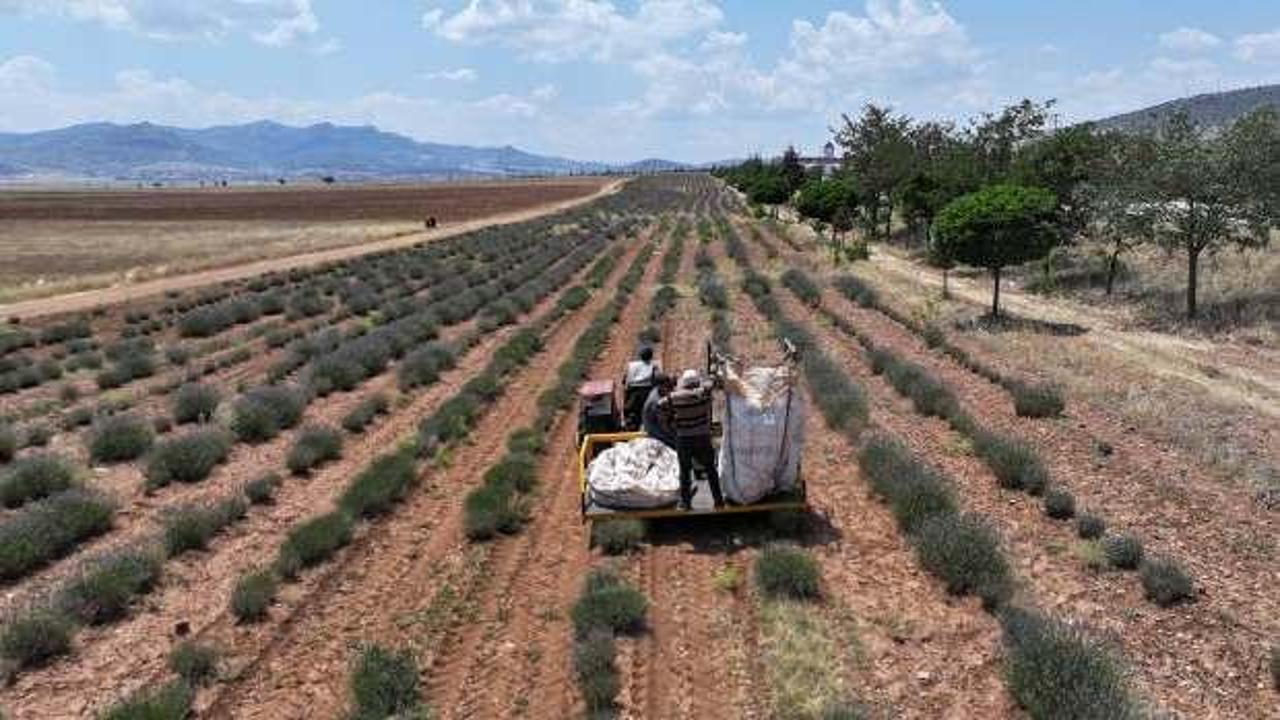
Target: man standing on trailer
<point>690,408</point>
<point>636,386</point>
<point>657,423</point>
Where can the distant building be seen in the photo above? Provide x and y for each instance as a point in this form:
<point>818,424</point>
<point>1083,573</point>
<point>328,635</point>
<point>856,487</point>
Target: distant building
<point>827,160</point>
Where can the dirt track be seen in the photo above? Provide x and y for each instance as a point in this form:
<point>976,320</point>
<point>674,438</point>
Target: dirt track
<point>1250,378</point>
<point>86,300</point>
<point>416,580</point>
<point>515,654</point>
<point>923,653</point>
<point>489,624</point>
<point>1226,540</point>
<point>129,654</point>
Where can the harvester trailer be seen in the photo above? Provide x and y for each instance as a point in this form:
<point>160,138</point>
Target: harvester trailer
<point>757,430</point>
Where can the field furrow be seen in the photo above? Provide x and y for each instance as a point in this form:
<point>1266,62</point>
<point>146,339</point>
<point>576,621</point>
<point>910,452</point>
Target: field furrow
<point>409,577</point>
<point>1139,490</point>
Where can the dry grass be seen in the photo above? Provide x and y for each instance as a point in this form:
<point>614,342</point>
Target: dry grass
<point>50,257</point>
<point>1239,291</point>
<point>58,241</point>
<point>1159,390</point>
<point>803,660</point>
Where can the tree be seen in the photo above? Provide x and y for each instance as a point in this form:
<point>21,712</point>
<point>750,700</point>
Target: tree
<point>1062,162</point>
<point>1110,199</point>
<point>769,188</point>
<point>829,203</point>
<point>841,223</point>
<point>920,198</point>
<point>997,226</point>
<point>822,198</point>
<point>938,258</point>
<point>996,139</point>
<point>878,151</point>
<point>1210,191</point>
<point>792,170</point>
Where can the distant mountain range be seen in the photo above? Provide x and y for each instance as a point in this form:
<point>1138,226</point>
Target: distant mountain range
<point>266,150</point>
<point>1210,109</point>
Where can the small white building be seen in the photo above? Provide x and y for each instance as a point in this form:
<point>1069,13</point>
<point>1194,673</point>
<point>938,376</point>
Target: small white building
<point>827,160</point>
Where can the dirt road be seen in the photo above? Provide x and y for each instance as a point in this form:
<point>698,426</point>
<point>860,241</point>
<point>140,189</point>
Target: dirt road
<point>1250,377</point>
<point>88,299</point>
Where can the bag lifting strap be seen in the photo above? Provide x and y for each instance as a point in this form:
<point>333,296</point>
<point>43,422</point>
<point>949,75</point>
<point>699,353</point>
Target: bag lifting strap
<point>782,444</point>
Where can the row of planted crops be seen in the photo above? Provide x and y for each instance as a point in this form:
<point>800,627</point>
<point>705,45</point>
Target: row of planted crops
<point>344,389</point>
<point>1054,667</point>
<point>367,334</point>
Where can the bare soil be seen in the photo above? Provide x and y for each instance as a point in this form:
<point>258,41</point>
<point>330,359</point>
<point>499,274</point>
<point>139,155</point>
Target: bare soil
<point>447,202</point>
<point>416,581</point>
<point>193,603</point>
<point>489,623</point>
<point>476,209</point>
<point>1201,659</point>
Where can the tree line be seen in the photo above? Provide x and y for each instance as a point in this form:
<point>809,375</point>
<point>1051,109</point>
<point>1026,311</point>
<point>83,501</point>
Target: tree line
<point>1006,189</point>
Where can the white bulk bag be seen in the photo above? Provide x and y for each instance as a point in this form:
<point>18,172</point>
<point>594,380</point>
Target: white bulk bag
<point>763,432</point>
<point>640,474</point>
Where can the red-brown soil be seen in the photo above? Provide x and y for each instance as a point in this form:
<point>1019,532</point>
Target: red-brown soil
<point>447,202</point>
<point>923,653</point>
<point>489,623</point>
<point>391,586</point>
<point>532,203</point>
<point>1201,659</point>
<point>113,661</point>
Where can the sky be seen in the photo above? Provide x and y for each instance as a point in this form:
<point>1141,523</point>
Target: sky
<point>692,80</point>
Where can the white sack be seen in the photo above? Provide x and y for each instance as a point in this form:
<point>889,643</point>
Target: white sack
<point>763,433</point>
<point>639,474</point>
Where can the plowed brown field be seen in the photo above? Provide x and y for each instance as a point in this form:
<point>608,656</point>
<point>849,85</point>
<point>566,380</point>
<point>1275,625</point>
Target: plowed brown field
<point>487,622</point>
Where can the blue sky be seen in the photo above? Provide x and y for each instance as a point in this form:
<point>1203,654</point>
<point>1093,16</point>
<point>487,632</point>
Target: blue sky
<point>620,80</point>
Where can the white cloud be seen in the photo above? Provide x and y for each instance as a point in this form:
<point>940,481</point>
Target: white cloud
<point>1195,71</point>
<point>31,98</point>
<point>455,75</point>
<point>718,40</point>
<point>1259,47</point>
<point>828,67</point>
<point>562,30</point>
<point>526,106</point>
<point>1189,40</point>
<point>1100,79</point>
<point>269,22</point>
<point>26,73</point>
<point>507,104</point>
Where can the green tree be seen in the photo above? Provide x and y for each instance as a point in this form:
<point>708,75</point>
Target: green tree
<point>1110,199</point>
<point>792,170</point>
<point>1210,191</point>
<point>995,139</point>
<point>880,154</point>
<point>937,257</point>
<point>920,198</point>
<point>841,223</point>
<point>823,197</point>
<point>996,226</point>
<point>830,202</point>
<point>1062,162</point>
<point>769,188</point>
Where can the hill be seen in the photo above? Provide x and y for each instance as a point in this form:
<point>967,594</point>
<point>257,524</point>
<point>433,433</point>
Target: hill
<point>1209,109</point>
<point>263,150</point>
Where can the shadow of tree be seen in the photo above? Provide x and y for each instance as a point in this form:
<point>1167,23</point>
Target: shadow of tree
<point>1010,322</point>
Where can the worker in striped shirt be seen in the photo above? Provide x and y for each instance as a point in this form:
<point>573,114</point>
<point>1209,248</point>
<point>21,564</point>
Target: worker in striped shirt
<point>689,406</point>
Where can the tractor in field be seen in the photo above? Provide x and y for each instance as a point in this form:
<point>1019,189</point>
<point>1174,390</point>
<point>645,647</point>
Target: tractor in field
<point>757,433</point>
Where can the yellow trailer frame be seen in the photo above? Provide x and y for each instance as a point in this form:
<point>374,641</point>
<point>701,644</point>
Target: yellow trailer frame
<point>793,501</point>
